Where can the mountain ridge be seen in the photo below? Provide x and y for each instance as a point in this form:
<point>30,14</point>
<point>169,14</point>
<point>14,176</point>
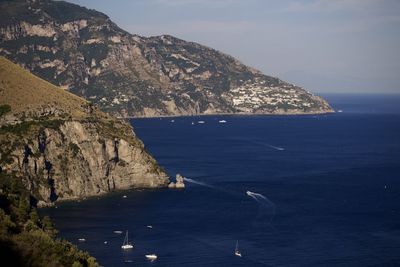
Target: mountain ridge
<point>83,51</point>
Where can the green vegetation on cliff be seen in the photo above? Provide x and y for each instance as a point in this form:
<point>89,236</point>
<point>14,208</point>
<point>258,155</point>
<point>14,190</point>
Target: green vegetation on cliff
<point>55,145</point>
<point>4,109</point>
<point>26,239</point>
<point>61,146</point>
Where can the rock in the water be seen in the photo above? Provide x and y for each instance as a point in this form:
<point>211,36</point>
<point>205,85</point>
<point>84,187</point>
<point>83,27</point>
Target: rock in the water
<point>179,184</point>
<point>179,181</point>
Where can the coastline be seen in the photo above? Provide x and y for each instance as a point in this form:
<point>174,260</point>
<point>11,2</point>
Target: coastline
<point>102,195</point>
<point>42,204</point>
<point>325,112</point>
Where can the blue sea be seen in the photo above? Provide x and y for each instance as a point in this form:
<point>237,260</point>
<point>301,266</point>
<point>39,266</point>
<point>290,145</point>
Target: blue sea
<point>325,191</point>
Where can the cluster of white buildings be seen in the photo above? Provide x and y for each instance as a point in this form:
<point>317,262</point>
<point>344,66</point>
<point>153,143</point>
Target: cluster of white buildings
<point>253,95</point>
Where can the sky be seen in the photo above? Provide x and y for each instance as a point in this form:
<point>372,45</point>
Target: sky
<point>326,46</point>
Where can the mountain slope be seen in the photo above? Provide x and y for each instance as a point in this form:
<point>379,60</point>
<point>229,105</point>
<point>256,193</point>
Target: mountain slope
<point>85,52</point>
<point>63,147</point>
<point>27,239</point>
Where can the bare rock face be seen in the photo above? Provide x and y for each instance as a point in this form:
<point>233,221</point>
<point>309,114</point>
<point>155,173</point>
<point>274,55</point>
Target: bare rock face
<point>179,181</point>
<point>74,160</point>
<point>62,147</point>
<point>84,52</point>
<point>179,184</point>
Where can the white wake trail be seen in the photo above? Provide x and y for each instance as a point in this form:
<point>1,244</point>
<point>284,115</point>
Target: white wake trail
<point>197,182</point>
<point>275,147</point>
<point>266,208</point>
<point>218,189</point>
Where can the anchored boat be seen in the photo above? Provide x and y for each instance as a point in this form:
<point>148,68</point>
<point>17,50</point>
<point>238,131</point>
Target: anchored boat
<point>126,244</point>
<point>237,252</point>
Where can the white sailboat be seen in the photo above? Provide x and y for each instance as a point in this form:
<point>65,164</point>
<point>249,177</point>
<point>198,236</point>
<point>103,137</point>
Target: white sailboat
<point>126,244</point>
<point>237,252</point>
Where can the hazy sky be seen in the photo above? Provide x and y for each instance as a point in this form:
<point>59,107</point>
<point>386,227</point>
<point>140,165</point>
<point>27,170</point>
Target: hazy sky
<point>322,45</point>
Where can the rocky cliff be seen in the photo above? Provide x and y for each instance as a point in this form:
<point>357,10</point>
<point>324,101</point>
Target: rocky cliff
<point>62,147</point>
<point>84,52</point>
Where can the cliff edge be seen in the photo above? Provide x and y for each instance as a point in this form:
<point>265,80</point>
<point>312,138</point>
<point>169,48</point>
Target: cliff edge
<point>63,147</point>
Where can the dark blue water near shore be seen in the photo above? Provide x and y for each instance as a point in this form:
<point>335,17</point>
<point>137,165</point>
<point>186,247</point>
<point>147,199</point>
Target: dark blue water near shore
<point>332,181</point>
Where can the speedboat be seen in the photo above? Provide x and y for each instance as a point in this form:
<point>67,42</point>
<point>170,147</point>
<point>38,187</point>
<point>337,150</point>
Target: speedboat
<point>151,257</point>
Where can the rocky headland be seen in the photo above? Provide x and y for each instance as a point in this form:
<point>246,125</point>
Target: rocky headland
<point>83,51</point>
<point>62,147</point>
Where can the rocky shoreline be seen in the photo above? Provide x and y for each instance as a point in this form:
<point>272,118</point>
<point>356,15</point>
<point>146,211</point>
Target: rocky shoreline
<point>293,113</point>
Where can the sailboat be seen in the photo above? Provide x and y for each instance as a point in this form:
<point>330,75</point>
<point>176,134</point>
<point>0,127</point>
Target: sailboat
<point>237,252</point>
<point>126,244</point>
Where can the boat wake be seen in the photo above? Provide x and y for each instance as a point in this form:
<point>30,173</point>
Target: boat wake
<point>260,143</point>
<point>256,196</point>
<point>269,145</point>
<point>197,182</point>
<point>266,208</point>
<point>275,147</point>
<point>218,189</point>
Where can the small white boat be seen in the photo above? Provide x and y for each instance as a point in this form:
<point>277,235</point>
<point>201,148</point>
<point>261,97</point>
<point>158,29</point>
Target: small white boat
<point>172,120</point>
<point>117,232</point>
<point>150,226</point>
<point>81,239</point>
<point>222,121</point>
<point>237,252</point>
<point>126,244</point>
<point>192,123</point>
<point>340,111</point>
<point>151,257</point>
<point>105,242</point>
<point>124,196</point>
<point>201,122</point>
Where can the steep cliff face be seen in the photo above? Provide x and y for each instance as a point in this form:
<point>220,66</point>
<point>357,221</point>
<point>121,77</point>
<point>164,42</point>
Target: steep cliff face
<point>62,147</point>
<point>72,159</point>
<point>85,52</point>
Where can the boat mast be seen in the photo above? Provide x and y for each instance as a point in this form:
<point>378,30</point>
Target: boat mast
<point>126,238</point>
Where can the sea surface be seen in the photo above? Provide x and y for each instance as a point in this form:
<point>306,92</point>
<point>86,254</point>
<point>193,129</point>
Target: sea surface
<point>324,191</point>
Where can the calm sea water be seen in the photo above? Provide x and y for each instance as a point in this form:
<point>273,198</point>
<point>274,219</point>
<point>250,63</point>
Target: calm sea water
<point>331,185</point>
